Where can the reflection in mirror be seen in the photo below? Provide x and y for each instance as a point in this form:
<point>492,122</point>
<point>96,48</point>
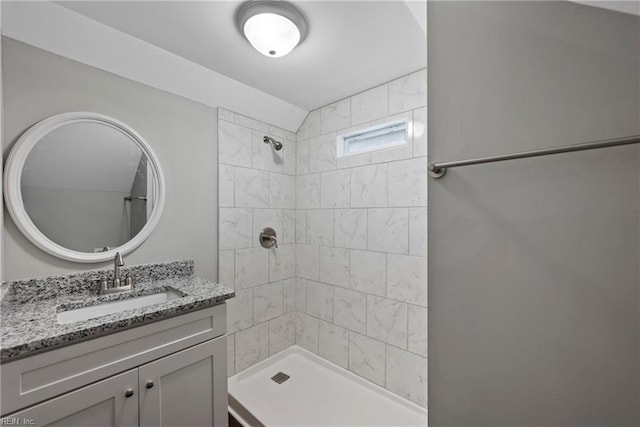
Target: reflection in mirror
<point>87,187</point>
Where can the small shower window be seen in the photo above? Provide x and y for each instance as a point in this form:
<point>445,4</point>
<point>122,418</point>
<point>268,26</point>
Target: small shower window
<point>379,137</point>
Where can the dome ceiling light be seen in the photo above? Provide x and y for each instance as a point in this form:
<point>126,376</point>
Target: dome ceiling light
<point>272,27</point>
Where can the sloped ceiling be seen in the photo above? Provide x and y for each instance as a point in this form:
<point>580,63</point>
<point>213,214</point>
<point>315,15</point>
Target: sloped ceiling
<point>351,45</point>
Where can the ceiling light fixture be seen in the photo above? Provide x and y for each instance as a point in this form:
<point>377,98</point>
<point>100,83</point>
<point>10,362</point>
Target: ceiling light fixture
<point>272,27</point>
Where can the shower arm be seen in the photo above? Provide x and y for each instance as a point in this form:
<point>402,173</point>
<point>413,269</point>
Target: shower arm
<point>277,145</point>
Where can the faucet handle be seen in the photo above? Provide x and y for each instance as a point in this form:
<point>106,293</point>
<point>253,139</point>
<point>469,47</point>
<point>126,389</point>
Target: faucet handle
<point>268,238</point>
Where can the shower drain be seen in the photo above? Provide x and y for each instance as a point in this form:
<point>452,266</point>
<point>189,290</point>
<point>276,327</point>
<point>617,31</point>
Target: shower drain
<point>280,377</point>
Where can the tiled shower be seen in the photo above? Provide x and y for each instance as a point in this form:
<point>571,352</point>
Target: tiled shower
<point>348,280</point>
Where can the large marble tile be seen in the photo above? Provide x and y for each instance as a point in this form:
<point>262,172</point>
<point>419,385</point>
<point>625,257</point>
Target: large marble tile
<point>282,332</point>
<point>335,116</point>
<point>388,230</point>
<point>408,181</point>
<point>251,267</point>
<point>226,185</point>
<point>369,186</point>
<point>350,309</point>
<point>418,231</point>
<point>407,279</point>
<point>252,123</point>
<point>267,301</point>
<point>420,132</point>
<point>335,189</point>
<point>417,330</point>
<point>353,160</point>
<point>301,226</point>
<point>231,355</point>
<point>282,133</point>
<point>226,115</point>
<point>282,262</point>
<point>235,229</point>
<point>234,144</point>
<point>320,300</point>
<point>368,272</point>
<point>333,344</point>
<point>252,346</point>
<point>408,92</point>
<point>351,228</point>
<point>307,331</point>
<point>367,358</point>
<point>290,149</point>
<point>370,105</point>
<point>282,191</point>
<point>251,188</point>
<point>322,153</point>
<point>406,375</point>
<point>240,311</point>
<point>310,126</point>
<point>288,234</point>
<point>387,320</point>
<point>308,191</point>
<point>308,261</point>
<point>264,156</point>
<point>302,157</point>
<point>226,268</point>
<point>289,297</point>
<point>334,266</point>
<point>301,294</point>
<point>266,218</point>
<point>320,227</point>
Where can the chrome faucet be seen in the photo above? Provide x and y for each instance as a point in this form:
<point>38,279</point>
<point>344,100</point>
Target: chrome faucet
<point>111,286</point>
<point>117,263</point>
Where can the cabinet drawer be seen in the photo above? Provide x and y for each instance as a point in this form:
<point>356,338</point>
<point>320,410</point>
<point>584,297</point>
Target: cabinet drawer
<point>40,377</point>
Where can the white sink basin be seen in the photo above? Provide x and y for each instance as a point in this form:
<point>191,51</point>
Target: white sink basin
<point>93,311</point>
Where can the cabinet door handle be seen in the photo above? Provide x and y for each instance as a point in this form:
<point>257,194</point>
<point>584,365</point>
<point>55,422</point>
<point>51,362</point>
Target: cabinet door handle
<point>128,393</point>
<point>149,384</point>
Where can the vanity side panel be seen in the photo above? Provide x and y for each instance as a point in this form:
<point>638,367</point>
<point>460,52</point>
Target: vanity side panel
<point>183,134</point>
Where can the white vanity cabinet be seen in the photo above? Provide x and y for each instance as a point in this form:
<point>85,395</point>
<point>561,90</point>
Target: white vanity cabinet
<point>168,373</point>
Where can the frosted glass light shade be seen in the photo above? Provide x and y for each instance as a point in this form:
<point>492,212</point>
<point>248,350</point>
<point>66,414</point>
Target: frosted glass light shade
<point>273,27</point>
<point>272,35</point>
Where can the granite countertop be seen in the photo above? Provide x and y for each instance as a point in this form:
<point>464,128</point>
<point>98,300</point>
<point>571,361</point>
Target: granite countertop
<point>28,309</point>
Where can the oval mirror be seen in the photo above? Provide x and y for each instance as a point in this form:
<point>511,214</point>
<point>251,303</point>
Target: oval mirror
<point>83,186</point>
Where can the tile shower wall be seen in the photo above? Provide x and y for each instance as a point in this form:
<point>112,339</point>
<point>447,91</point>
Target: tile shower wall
<point>348,281</point>
<point>256,190</point>
<point>361,241</point>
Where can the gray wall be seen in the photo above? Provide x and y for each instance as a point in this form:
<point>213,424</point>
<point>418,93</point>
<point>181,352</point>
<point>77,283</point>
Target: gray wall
<point>182,133</point>
<point>533,264</point>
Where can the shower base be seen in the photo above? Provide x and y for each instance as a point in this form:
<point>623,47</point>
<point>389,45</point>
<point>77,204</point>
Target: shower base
<point>297,388</point>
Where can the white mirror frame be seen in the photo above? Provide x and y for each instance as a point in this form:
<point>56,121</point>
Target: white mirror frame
<point>13,189</point>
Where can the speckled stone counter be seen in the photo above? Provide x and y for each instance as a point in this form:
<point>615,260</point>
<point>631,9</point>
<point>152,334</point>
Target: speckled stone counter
<point>29,308</point>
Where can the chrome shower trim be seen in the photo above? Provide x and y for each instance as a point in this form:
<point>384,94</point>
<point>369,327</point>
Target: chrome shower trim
<point>277,145</point>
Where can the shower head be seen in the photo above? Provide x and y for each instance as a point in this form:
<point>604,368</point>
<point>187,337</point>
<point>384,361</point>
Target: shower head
<point>277,145</point>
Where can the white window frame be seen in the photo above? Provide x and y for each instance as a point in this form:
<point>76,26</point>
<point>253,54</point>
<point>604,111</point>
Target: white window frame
<point>392,121</point>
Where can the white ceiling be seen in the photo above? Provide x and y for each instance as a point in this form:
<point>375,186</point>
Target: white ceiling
<point>351,45</point>
<point>625,6</point>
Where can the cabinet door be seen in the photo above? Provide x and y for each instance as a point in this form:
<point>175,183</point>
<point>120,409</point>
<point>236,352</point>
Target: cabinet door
<point>188,388</point>
<point>108,403</point>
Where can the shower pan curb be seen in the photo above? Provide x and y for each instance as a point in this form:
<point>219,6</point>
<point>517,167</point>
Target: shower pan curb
<point>316,392</point>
